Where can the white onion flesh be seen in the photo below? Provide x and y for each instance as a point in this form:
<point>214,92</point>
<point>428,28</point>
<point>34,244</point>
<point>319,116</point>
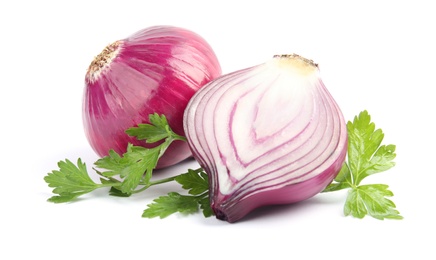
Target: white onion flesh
<point>269,134</point>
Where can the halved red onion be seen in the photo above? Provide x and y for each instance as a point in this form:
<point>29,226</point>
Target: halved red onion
<point>269,134</point>
<point>156,70</point>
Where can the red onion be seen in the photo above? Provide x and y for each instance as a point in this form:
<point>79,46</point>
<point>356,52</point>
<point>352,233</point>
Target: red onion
<point>269,134</point>
<point>156,70</point>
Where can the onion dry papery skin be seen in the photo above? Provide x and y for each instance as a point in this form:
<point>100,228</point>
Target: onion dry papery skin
<point>269,134</point>
<point>156,70</point>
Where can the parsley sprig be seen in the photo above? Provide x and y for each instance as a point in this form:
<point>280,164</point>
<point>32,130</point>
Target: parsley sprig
<point>134,168</point>
<point>131,173</point>
<point>366,156</point>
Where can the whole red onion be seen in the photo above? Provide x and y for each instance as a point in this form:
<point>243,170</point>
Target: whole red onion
<point>156,70</point>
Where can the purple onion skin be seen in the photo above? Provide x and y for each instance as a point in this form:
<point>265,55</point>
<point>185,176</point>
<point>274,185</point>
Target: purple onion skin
<point>156,70</point>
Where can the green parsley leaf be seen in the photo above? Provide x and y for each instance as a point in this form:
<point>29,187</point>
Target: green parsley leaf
<point>172,203</point>
<point>366,156</point>
<point>157,130</point>
<point>70,181</point>
<point>205,206</point>
<point>153,132</point>
<point>113,161</point>
<point>134,167</point>
<point>118,193</point>
<point>195,181</point>
<point>371,200</point>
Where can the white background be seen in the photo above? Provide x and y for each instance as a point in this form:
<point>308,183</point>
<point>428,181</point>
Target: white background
<point>374,55</point>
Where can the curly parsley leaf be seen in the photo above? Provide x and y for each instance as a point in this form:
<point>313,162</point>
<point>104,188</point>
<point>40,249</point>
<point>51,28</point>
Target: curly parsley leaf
<point>366,156</point>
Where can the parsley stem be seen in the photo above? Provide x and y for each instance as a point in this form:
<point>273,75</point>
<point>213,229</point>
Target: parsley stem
<point>179,138</point>
<point>151,183</point>
<point>206,193</point>
<point>165,180</point>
